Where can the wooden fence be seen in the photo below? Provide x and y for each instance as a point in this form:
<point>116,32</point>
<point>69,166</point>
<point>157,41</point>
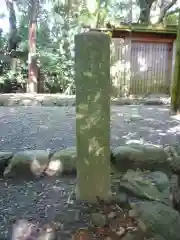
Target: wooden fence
<point>140,67</point>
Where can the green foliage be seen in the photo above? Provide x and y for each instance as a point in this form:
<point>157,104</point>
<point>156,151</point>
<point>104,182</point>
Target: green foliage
<point>58,22</point>
<point>171,19</point>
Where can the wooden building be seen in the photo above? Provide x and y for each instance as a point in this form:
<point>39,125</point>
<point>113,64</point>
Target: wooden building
<point>142,58</point>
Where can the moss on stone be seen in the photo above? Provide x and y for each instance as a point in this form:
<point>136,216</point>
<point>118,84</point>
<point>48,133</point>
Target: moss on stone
<point>92,78</point>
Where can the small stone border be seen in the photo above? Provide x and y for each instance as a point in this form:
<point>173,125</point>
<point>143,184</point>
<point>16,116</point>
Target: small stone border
<point>37,163</point>
<point>65,100</point>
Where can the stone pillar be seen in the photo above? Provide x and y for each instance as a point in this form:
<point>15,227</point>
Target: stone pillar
<point>92,78</point>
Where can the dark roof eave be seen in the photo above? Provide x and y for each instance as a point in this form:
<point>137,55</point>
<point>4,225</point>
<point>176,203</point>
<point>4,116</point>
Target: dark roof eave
<point>149,29</point>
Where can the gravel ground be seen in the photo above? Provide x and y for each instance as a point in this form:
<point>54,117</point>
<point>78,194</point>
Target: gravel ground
<point>54,128</point>
<point>40,202</point>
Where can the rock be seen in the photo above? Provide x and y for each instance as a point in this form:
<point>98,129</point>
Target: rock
<point>5,158</point>
<point>121,197</point>
<point>173,157</point>
<point>25,230</point>
<point>140,156</point>
<point>133,236</point>
<point>61,102</point>
<point>11,102</point>
<point>159,219</point>
<point>122,101</point>
<point>170,151</point>
<point>98,219</point>
<point>132,213</point>
<point>62,162</point>
<point>175,191</point>
<point>142,225</point>
<point>177,149</point>
<point>160,179</point>
<point>123,157</point>
<point>152,153</point>
<point>29,102</point>
<point>27,163</point>
<point>142,185</point>
<point>153,101</point>
<point>47,102</point>
<point>175,164</point>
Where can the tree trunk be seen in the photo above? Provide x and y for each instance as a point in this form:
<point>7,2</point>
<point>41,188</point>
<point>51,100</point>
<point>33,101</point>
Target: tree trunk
<point>145,9</point>
<point>32,84</point>
<point>100,20</point>
<point>13,38</point>
<point>66,37</point>
<point>40,81</point>
<point>164,10</point>
<point>144,16</point>
<point>175,91</point>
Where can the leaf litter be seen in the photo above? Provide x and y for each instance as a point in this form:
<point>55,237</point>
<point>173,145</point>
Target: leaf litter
<point>116,223</point>
<point>37,211</point>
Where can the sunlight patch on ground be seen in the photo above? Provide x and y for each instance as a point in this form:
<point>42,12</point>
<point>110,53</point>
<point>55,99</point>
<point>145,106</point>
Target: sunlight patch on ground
<point>176,117</point>
<point>175,129</point>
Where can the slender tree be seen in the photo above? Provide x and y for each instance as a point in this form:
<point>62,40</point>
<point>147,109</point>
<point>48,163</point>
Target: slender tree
<point>32,56</point>
<point>13,38</point>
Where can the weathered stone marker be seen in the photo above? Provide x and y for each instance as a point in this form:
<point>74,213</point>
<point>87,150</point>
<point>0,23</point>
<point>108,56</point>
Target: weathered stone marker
<point>92,78</point>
